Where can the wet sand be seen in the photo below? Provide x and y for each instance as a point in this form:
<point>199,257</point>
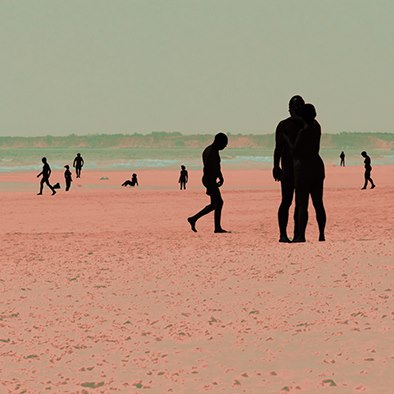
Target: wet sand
<point>106,289</point>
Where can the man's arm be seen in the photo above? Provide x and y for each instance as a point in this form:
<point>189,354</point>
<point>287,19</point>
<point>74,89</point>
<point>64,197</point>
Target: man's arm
<point>277,171</point>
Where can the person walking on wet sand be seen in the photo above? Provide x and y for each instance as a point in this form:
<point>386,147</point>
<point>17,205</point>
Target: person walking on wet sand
<point>78,164</point>
<point>368,169</point>
<point>132,182</point>
<point>342,157</point>
<point>46,173</point>
<point>212,179</point>
<point>183,178</point>
<point>283,170</point>
<point>67,177</point>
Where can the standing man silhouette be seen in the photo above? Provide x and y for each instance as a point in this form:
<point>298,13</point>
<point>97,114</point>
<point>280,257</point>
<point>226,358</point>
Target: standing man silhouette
<point>211,174</point>
<point>342,157</point>
<point>78,164</point>
<point>283,170</point>
<point>46,173</point>
<point>368,169</point>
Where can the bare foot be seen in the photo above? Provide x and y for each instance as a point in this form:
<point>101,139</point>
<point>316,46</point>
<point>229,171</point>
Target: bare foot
<point>54,192</point>
<point>221,231</point>
<point>298,240</point>
<point>284,239</point>
<point>192,224</point>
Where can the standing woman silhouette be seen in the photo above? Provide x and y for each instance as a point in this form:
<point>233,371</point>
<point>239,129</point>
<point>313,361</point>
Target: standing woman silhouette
<point>308,173</point>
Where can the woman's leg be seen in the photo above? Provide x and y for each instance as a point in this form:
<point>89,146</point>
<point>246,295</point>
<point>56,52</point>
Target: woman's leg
<point>317,200</point>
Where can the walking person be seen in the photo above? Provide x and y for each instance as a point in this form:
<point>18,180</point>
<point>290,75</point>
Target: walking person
<point>283,170</point>
<point>342,157</point>
<point>212,179</point>
<point>45,173</point>
<point>67,177</point>
<point>78,164</point>
<point>368,169</point>
<point>183,177</point>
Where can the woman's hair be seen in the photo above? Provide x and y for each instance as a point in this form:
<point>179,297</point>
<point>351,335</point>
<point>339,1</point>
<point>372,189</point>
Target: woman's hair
<point>307,112</point>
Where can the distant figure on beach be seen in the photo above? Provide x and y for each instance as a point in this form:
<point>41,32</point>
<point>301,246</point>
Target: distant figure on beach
<point>212,179</point>
<point>308,173</point>
<point>283,163</point>
<point>183,177</point>
<point>67,177</point>
<point>342,157</point>
<point>368,169</point>
<point>78,164</point>
<point>131,182</point>
<point>46,173</point>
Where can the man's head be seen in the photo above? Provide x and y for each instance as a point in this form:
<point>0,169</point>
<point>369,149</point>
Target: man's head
<point>363,153</point>
<point>294,104</point>
<point>220,141</point>
<point>78,154</point>
<point>183,167</point>
<point>44,160</point>
<point>67,166</point>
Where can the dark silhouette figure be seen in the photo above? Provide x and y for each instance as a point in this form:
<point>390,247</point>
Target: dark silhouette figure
<point>283,170</point>
<point>131,182</point>
<point>46,173</point>
<point>183,177</point>
<point>368,169</point>
<point>211,174</point>
<point>78,164</point>
<point>342,157</point>
<point>308,173</point>
<point>67,177</point>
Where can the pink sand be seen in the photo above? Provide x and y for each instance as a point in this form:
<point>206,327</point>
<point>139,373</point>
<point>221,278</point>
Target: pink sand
<point>107,287</point>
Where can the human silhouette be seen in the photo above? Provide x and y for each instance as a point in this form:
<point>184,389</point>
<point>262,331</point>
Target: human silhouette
<point>342,157</point>
<point>308,173</point>
<point>131,182</point>
<point>368,169</point>
<point>67,177</point>
<point>212,179</point>
<point>283,170</point>
<point>45,173</point>
<point>183,177</point>
<point>78,164</point>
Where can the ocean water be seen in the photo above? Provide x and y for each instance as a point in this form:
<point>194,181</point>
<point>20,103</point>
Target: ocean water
<point>129,159</point>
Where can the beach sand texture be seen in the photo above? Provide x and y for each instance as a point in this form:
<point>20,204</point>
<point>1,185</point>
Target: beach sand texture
<point>106,289</point>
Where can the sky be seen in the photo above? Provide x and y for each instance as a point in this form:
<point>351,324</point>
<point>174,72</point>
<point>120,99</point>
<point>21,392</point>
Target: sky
<point>193,66</point>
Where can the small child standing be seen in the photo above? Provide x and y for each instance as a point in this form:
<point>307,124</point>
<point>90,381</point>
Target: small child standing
<point>67,177</point>
<point>183,178</point>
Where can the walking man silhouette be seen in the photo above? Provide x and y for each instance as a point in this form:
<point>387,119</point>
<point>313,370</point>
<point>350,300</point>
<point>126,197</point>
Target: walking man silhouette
<point>342,157</point>
<point>212,179</point>
<point>46,173</point>
<point>283,164</point>
<point>368,169</point>
<point>78,164</point>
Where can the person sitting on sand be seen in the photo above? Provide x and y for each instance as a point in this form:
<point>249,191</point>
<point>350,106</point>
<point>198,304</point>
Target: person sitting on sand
<point>131,182</point>
<point>368,169</point>
<point>183,177</point>
<point>212,173</point>
<point>46,173</point>
<point>67,177</point>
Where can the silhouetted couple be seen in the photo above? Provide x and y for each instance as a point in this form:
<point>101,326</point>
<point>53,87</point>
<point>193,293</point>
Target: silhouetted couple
<point>299,167</point>
<point>368,169</point>
<point>212,179</point>
<point>132,182</point>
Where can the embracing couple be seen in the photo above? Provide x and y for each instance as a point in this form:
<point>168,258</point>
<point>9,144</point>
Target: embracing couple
<point>299,167</point>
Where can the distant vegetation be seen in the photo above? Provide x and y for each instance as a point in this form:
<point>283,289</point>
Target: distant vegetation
<point>345,140</point>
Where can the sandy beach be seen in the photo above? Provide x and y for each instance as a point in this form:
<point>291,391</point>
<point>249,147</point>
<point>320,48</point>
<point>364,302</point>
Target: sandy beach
<point>106,289</point>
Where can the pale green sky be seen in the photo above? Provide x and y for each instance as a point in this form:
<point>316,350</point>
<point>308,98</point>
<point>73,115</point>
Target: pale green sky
<point>100,66</point>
